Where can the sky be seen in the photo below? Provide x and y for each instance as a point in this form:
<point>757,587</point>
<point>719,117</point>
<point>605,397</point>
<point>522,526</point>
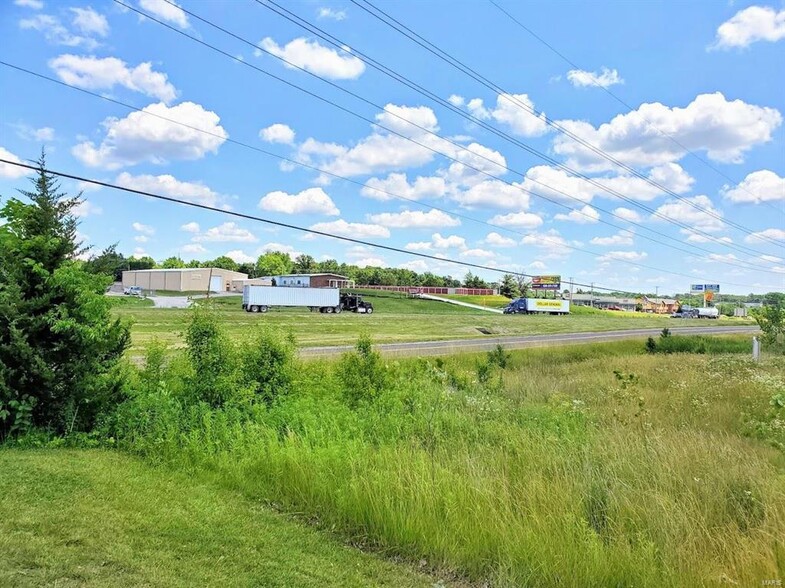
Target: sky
<point>636,146</point>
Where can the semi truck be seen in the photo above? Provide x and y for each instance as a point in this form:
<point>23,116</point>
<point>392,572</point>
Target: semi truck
<point>355,303</point>
<point>711,312</point>
<point>262,298</point>
<point>538,305</point>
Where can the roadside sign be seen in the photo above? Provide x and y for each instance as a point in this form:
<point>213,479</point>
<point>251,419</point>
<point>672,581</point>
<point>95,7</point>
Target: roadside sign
<point>711,287</point>
<point>696,289</point>
<point>546,282</point>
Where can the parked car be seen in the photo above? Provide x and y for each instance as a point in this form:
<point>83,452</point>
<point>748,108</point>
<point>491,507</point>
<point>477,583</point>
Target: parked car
<point>133,291</point>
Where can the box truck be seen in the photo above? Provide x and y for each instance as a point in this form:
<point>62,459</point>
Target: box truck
<point>538,305</point>
<point>262,298</point>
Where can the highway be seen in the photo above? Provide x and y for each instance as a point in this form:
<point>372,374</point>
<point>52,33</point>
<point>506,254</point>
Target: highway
<point>522,341</point>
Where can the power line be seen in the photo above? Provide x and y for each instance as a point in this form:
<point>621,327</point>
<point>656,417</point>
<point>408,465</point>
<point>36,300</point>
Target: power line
<point>443,55</point>
<point>689,229</point>
<point>338,43</point>
<point>312,231</point>
<point>426,130</point>
<point>358,183</point>
<point>628,106</point>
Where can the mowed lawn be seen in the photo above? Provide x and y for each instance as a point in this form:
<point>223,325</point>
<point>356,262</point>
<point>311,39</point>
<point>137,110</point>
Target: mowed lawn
<point>396,319</point>
<point>99,518</point>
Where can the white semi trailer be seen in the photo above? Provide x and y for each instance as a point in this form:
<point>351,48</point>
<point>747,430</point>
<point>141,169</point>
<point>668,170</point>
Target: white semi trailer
<point>262,298</point>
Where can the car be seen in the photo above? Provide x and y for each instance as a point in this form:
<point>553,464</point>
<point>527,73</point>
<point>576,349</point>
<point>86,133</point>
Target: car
<point>133,291</point>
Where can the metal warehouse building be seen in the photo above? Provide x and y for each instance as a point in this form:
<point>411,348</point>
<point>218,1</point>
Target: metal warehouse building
<point>186,279</point>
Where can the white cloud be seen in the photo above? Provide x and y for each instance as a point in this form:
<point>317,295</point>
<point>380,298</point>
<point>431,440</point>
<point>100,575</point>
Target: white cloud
<point>492,194</point>
<point>771,258</point>
<point>166,11</point>
<point>238,256</point>
<point>168,185</point>
<point>456,100</point>
<point>755,23</point>
<point>416,265</point>
<point>193,248</point>
<point>269,247</point>
<point>55,32</point>
<point>448,242</point>
<point>627,214</point>
<point>141,239</point>
<point>551,242</point>
<point>419,246</point>
<point>42,135</point>
<point>765,235</point>
<point>370,262</point>
<point>226,233</point>
<point>277,133</point>
<point>11,172</point>
<point>191,227</point>
<point>140,228</point>
<point>86,208</point>
<point>513,110</point>
<point>621,238</point>
<point>623,256</point>
<point>701,215</point>
<point>523,220</point>
<point>415,219</point>
<point>408,120</point>
<point>693,237</point>
<point>478,253</point>
<point>724,129</point>
<point>474,163</point>
<point>310,201</point>
<point>90,22</point>
<point>606,78</point>
<point>139,252</point>
<point>34,4</point>
<point>537,265</point>
<point>315,58</point>
<point>327,12</point>
<point>356,230</point>
<point>759,186</point>
<point>140,137</point>
<point>496,240</point>
<point>96,73</point>
<point>585,215</point>
<point>721,257</point>
<point>398,184</point>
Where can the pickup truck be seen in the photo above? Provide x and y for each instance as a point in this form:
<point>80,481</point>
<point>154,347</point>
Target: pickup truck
<point>133,291</point>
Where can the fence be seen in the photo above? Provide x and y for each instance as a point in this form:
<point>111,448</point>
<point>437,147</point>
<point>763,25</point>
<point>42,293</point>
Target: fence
<point>434,290</point>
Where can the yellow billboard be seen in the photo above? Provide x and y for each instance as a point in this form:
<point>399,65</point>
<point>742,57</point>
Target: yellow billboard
<point>546,282</point>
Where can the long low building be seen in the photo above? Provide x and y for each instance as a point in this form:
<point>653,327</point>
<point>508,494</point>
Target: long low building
<point>605,302</point>
<point>200,279</point>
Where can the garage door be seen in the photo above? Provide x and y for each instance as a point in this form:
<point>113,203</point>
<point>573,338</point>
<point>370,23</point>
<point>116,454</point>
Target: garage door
<point>215,283</point>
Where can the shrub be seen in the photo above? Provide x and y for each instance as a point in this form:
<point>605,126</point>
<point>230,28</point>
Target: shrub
<point>498,356</point>
<point>267,364</point>
<point>361,372</point>
<point>213,359</point>
<point>771,320</point>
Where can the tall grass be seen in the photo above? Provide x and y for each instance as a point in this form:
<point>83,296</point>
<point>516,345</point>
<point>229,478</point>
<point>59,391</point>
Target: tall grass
<point>586,466</point>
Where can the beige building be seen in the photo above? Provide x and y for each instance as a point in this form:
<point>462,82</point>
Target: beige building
<point>185,279</point>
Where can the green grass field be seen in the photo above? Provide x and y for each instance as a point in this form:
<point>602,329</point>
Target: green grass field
<point>98,518</point>
<point>396,319</point>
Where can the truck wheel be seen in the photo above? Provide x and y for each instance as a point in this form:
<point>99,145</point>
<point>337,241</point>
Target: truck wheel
<point>329,309</point>
<point>338,309</point>
<point>263,308</point>
<point>369,310</point>
<point>254,308</point>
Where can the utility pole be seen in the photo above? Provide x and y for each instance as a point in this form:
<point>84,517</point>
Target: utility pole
<point>656,291</point>
<point>592,294</point>
<point>570,289</point>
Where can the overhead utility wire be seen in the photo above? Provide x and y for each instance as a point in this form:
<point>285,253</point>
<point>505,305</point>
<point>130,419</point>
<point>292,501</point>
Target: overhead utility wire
<point>321,33</point>
<point>315,168</point>
<point>443,55</point>
<point>626,105</point>
<point>296,227</point>
<point>361,117</point>
<point>691,229</point>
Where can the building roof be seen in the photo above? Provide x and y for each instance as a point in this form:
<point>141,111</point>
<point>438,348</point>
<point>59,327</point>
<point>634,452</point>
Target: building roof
<point>603,299</point>
<point>187,269</point>
<point>666,301</point>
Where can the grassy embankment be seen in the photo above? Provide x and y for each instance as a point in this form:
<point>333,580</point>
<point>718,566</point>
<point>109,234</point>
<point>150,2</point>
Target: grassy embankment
<point>595,465</point>
<point>397,319</point>
<point>99,518</point>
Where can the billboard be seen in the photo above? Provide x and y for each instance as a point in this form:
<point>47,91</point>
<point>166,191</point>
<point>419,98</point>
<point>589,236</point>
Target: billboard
<point>711,288</point>
<point>696,289</point>
<point>704,288</point>
<point>546,282</point>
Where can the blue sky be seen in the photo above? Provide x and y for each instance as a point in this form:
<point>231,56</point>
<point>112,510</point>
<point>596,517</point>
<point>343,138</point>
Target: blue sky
<point>705,131</point>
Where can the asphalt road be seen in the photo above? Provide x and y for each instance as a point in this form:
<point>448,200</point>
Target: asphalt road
<point>522,341</point>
